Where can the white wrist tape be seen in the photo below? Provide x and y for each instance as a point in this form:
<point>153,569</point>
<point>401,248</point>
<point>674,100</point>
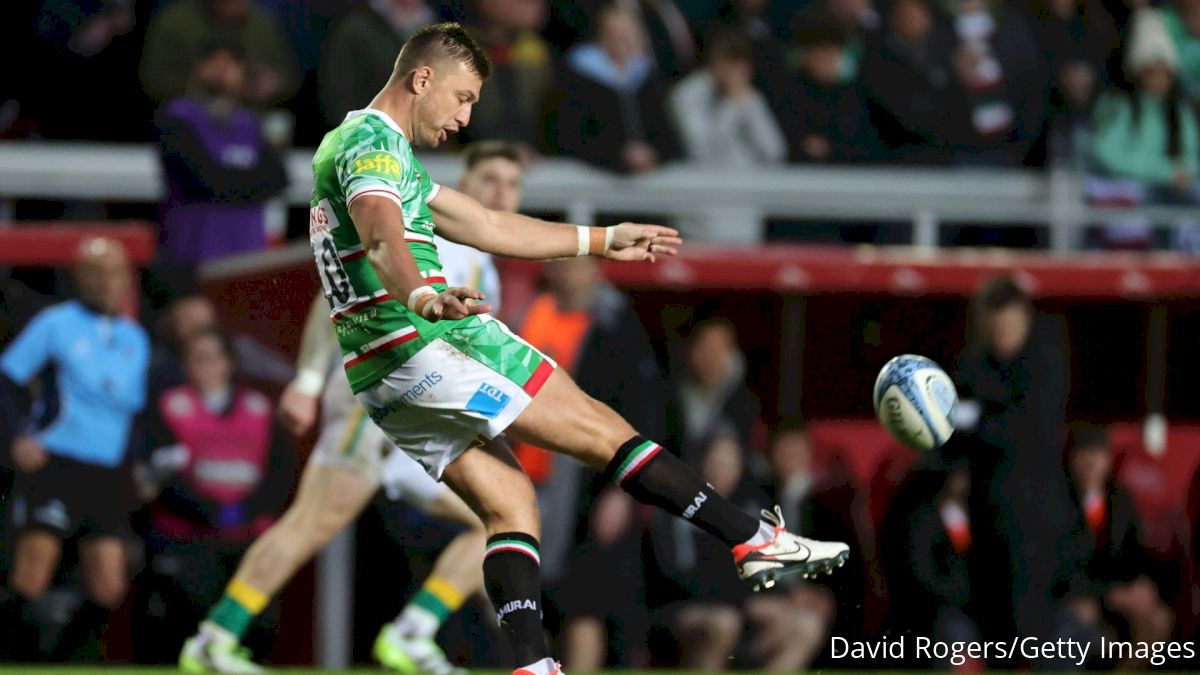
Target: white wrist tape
<point>418,293</point>
<point>309,382</point>
<point>585,239</point>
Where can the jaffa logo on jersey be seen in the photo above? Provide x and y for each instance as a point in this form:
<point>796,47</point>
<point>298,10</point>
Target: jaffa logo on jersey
<point>380,164</point>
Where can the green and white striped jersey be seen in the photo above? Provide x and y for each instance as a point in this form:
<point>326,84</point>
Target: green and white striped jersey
<point>368,155</point>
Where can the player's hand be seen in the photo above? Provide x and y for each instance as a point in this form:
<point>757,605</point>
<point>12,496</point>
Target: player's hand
<point>451,304</point>
<point>28,454</point>
<point>297,410</point>
<point>634,242</point>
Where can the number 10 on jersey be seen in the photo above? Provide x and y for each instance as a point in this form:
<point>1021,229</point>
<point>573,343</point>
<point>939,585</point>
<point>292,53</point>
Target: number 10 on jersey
<point>321,222</point>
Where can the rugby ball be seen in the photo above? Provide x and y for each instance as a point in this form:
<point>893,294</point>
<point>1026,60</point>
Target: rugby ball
<point>914,399</point>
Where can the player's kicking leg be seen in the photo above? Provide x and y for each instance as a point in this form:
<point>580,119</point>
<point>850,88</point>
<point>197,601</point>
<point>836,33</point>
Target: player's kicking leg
<point>593,433</point>
<point>491,481</point>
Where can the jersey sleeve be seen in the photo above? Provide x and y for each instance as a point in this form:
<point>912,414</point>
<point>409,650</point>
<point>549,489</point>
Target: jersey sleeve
<point>29,352</point>
<point>364,169</point>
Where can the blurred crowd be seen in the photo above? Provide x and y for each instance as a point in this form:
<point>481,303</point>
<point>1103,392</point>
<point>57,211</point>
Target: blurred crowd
<point>1107,86</point>
<point>165,463</point>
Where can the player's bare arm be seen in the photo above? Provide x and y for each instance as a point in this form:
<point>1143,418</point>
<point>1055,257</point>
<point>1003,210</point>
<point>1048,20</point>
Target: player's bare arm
<point>380,226</point>
<point>461,219</point>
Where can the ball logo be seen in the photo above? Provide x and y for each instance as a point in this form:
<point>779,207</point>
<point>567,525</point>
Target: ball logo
<point>897,421</point>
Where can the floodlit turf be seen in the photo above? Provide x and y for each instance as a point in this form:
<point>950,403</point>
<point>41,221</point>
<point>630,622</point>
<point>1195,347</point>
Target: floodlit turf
<point>139,670</point>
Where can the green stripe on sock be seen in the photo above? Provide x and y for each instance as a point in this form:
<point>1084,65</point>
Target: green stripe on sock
<point>633,458</point>
<point>232,616</point>
<point>430,603</point>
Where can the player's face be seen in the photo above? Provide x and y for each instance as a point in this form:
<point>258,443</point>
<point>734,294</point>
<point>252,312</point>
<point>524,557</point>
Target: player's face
<point>445,105</point>
<point>104,279</point>
<point>495,183</point>
<point>1007,330</point>
<point>207,366</point>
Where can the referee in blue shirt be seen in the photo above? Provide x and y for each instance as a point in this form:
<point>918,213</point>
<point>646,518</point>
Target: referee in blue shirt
<point>68,451</point>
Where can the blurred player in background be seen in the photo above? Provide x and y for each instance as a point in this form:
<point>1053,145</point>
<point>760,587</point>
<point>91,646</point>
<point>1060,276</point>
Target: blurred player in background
<point>351,460</point>
<point>69,450</point>
<point>443,379</point>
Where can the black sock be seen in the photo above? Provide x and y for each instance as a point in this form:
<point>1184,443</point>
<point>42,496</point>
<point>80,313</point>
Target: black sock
<point>512,572</point>
<point>656,477</point>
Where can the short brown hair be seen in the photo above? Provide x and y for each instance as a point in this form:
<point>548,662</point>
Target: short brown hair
<point>481,151</point>
<point>447,41</point>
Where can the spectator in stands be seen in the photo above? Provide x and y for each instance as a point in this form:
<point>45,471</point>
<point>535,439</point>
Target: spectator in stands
<point>856,21</point>
<point>84,50</point>
<point>995,63</point>
<point>908,87</point>
<point>218,166</point>
<point>1012,381</point>
<point>710,386</point>
<point>926,547</point>
<point>1183,23</point>
<point>725,123</point>
<point>1146,145</point>
<point>184,318</point>
<point>663,24</point>
<point>750,19</point>
<point>613,112</point>
<point>218,473</point>
<point>1117,574</point>
<point>177,35</point>
<point>1150,134</point>
<point>691,589</point>
<point>513,102</point>
<point>827,120</point>
<point>1078,38</point>
<point>69,450</point>
<point>361,50</point>
<point>672,43</point>
<point>591,330</point>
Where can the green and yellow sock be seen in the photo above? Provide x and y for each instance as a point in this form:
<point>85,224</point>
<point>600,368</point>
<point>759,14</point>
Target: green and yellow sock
<point>237,608</point>
<point>429,609</point>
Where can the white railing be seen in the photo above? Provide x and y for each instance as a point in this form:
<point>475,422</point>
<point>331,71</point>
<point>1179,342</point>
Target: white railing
<point>925,197</point>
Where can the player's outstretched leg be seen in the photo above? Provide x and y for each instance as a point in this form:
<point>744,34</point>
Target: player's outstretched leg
<point>407,643</point>
<point>491,482</point>
<point>564,419</point>
<point>328,500</point>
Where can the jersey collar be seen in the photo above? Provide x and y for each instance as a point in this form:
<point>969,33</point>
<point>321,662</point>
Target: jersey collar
<point>387,119</point>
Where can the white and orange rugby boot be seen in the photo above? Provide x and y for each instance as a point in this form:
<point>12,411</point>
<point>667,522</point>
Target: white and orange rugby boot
<point>775,553</point>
